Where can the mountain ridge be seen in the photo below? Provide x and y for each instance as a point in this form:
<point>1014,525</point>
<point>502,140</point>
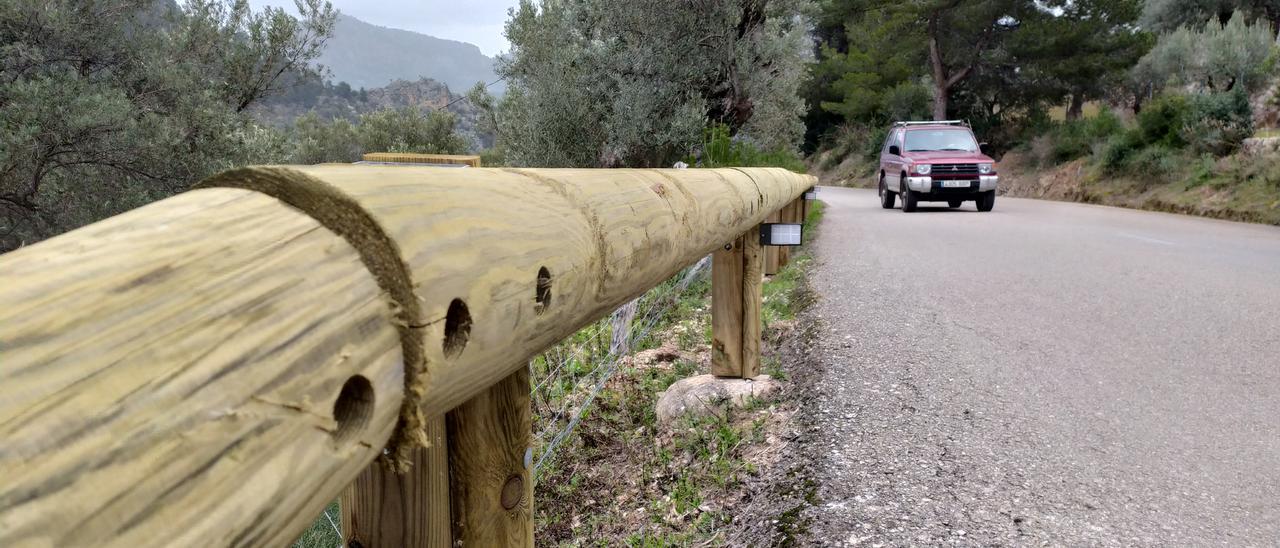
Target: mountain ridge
<point>365,55</point>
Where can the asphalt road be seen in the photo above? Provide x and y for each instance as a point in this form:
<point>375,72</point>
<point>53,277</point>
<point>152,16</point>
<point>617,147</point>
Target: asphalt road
<point>1044,374</point>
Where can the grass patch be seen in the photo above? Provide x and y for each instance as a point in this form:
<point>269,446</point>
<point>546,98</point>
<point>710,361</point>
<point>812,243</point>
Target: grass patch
<point>625,480</point>
<point>321,533</point>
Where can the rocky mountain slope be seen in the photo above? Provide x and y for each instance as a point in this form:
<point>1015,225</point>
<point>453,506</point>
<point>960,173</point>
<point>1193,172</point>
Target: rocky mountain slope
<point>369,56</point>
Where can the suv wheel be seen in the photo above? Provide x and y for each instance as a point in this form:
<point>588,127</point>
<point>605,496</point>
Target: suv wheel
<point>886,198</point>
<point>987,200</point>
<point>908,199</point>
<point>955,203</point>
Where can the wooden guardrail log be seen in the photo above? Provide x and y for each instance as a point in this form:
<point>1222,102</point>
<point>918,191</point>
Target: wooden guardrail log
<point>601,237</point>
<point>204,371</point>
<point>188,373</point>
<point>416,158</point>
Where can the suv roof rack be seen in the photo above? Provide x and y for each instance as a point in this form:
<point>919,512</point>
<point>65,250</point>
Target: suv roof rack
<point>933,123</point>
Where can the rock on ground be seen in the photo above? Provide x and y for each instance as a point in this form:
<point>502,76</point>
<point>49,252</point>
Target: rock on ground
<point>704,395</point>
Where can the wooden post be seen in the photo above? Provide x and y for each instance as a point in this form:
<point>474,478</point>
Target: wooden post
<point>489,466</point>
<point>385,509</point>
<point>790,213</point>
<point>772,259</point>
<point>784,252</point>
<point>735,307</point>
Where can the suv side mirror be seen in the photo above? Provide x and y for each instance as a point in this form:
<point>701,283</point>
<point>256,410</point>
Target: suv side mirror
<point>894,150</point>
<point>982,147</point>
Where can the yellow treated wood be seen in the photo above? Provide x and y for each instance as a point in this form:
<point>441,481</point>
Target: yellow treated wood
<point>490,475</point>
<point>482,238</point>
<point>735,307</point>
<point>727,309</point>
<point>171,376</point>
<point>414,158</point>
<point>772,258</point>
<point>790,213</point>
<point>752,302</point>
<point>410,510</point>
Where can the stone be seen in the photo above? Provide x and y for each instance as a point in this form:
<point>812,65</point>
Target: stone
<point>705,395</point>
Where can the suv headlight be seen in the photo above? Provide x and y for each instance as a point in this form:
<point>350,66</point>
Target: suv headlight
<point>985,168</point>
<point>923,169</point>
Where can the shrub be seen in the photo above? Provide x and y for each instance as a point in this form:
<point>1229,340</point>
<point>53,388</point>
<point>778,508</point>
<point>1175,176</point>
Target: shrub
<point>1117,150</point>
<point>1162,120</point>
<point>874,143</point>
<point>1218,122</point>
<point>857,140</point>
<point>719,149</point>
<point>1155,161</point>
<point>1077,138</point>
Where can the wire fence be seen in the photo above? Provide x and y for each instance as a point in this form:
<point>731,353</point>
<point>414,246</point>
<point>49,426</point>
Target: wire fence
<point>566,378</point>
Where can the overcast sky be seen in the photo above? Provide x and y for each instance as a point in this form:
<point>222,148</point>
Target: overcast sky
<point>476,21</point>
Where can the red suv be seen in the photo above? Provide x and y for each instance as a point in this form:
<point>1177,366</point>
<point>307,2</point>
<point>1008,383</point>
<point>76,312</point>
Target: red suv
<point>935,162</point>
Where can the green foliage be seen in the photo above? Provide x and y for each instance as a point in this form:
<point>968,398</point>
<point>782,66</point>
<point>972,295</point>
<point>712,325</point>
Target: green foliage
<point>856,141</point>
<point>1077,138</point>
<point>1211,56</point>
<point>870,55</point>
<point>1147,147</point>
<point>107,105</point>
<point>410,130</point>
<point>1117,150</point>
<point>493,157</point>
<point>407,129</point>
<point>1218,122</point>
<point>603,83</point>
<point>1161,122</point>
<point>316,141</point>
<point>906,101</point>
<point>1168,15</point>
<point>1080,54</point>
<point>719,149</point>
<point>997,64</point>
<point>1204,123</point>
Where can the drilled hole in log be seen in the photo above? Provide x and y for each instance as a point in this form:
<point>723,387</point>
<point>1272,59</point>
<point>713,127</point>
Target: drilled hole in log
<point>542,297</point>
<point>353,409</point>
<point>457,328</point>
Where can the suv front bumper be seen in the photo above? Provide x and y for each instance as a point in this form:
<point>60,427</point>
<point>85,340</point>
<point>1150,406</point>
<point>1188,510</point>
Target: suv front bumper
<point>929,185</point>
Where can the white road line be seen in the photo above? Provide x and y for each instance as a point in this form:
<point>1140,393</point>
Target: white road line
<point>1146,239</point>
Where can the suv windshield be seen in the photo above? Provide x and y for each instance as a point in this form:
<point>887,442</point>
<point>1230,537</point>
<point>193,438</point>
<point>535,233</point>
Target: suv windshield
<point>921,140</point>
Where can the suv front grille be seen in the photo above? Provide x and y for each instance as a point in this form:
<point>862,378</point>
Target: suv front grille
<point>955,169</point>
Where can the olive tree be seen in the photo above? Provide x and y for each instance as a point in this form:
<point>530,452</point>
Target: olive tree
<point>1211,57</point>
<point>108,104</point>
<point>407,129</point>
<point>603,83</point>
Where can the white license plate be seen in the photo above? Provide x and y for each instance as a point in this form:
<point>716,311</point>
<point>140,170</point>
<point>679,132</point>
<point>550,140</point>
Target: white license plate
<point>956,184</point>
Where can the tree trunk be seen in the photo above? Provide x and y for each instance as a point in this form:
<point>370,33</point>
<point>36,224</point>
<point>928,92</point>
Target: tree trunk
<point>1076,109</point>
<point>940,102</point>
<point>941,83</point>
